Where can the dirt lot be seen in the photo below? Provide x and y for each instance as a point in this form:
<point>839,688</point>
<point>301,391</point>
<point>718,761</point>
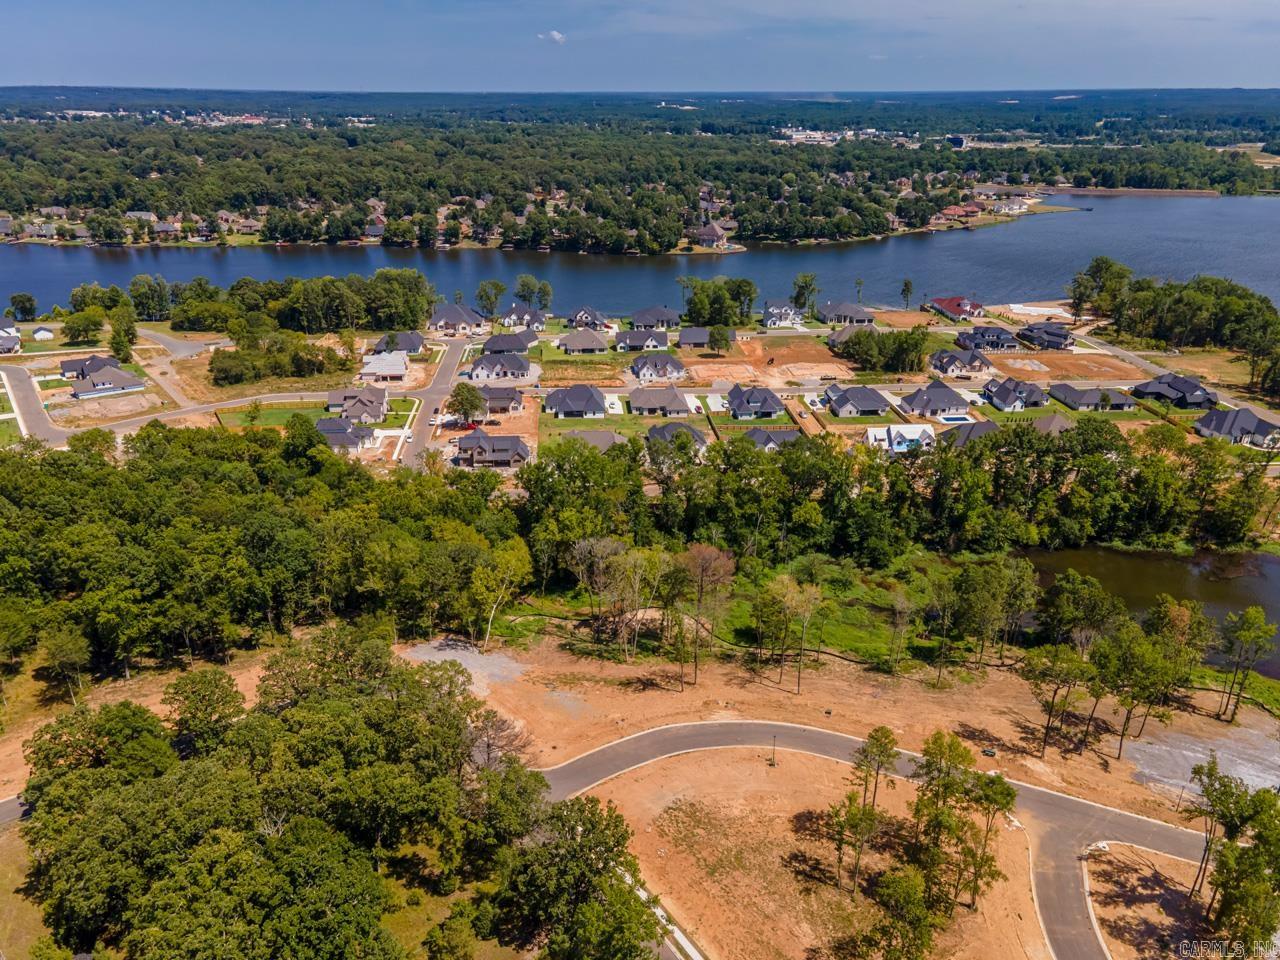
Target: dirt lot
<point>1140,901</point>
<point>793,358</point>
<point>1061,365</point>
<point>732,847</point>
<point>906,319</point>
<point>104,410</point>
<point>1219,367</point>
<point>570,704</point>
<point>582,370</point>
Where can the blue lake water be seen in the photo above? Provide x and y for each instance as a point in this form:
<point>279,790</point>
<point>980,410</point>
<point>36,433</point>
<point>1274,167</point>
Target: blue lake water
<point>1034,258</point>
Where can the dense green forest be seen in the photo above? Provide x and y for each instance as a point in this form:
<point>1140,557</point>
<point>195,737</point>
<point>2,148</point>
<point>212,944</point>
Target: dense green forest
<point>1203,312</point>
<point>625,186</point>
<point>1215,117</point>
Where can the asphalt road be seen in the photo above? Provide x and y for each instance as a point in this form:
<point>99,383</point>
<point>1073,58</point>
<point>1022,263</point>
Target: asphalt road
<point>30,409</point>
<point>1060,827</point>
<point>434,395</point>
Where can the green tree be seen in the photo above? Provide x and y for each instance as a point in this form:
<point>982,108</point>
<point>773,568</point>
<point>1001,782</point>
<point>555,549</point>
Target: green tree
<point>908,288</point>
<point>1057,674</point>
<point>877,756</point>
<point>497,583</point>
<point>203,704</point>
<point>22,307</point>
<point>526,289</point>
<point>804,292</point>
<point>466,402</point>
<point>718,339</point>
<point>489,296</point>
<point>907,925</point>
<point>1247,638</point>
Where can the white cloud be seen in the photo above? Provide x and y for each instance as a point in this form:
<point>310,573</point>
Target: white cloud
<point>554,36</point>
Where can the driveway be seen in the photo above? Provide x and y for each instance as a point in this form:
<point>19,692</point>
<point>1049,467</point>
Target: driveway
<point>1060,827</point>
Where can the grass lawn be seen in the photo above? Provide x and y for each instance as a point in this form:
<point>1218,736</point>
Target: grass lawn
<point>5,405</point>
<point>9,432</point>
<point>727,420</point>
<point>628,424</point>
<point>270,415</point>
<point>398,414</point>
<point>548,353</point>
<point>54,384</point>
<point>1026,416</point>
<point>20,923</point>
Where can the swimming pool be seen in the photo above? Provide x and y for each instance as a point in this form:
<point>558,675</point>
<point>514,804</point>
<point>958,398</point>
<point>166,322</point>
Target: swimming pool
<point>956,419</point>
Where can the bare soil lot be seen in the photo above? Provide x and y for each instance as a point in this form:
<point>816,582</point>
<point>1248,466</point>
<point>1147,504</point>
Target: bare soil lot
<point>736,850</point>
<point>570,704</point>
<point>770,361</point>
<point>1140,901</point>
<point>1048,365</point>
<point>906,319</point>
<point>87,413</point>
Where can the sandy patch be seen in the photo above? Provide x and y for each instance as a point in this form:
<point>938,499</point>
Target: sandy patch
<point>105,409</point>
<point>1061,365</point>
<point>771,361</point>
<point>729,844</point>
<point>906,319</point>
<point>1140,901</point>
<point>997,710</point>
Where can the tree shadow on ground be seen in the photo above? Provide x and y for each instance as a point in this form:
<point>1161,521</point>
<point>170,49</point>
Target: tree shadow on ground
<point>1128,879</point>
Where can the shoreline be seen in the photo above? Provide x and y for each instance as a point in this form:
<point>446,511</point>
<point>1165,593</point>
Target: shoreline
<point>1129,192</point>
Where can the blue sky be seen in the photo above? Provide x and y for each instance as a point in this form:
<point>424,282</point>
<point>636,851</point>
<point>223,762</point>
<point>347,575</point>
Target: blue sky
<point>534,45</point>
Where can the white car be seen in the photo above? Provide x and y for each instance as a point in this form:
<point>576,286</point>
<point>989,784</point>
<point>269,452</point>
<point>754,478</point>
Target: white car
<point>434,421</point>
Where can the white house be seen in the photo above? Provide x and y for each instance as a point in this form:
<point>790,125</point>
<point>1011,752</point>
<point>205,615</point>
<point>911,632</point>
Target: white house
<point>899,438</point>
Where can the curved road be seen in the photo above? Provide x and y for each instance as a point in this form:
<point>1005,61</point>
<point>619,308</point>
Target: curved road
<point>1060,827</point>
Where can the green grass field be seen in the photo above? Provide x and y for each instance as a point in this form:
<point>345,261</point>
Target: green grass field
<point>5,405</point>
<point>547,353</point>
<point>270,414</point>
<point>725,419</point>
<point>9,432</point>
<point>628,424</point>
<point>55,384</point>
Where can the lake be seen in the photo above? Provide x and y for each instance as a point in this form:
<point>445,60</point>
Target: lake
<point>1222,582</point>
<point>1031,259</point>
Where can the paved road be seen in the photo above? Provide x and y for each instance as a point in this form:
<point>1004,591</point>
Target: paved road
<point>32,417</point>
<point>433,395</point>
<point>1060,827</point>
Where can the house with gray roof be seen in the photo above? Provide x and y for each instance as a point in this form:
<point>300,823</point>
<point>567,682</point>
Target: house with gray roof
<point>987,339</point>
<point>583,341</point>
<point>522,315</point>
<point>390,367</point>
<point>655,318</point>
<point>699,338</point>
<point>950,363</point>
<point>1055,424</point>
<point>1173,388</point>
<point>639,340</point>
<point>670,432</point>
<point>1239,426</point>
<point>81,367</point>
<point>579,400</point>
<point>855,401</point>
<point>588,317</point>
<point>501,399</point>
<point>510,342</point>
<point>649,367</point>
<point>966,433</point>
<point>843,313</point>
<point>10,343</point>
<point>664,401</point>
<point>367,404</point>
<point>601,440</point>
<point>456,318</point>
<point>753,403</point>
<point>500,366</point>
<point>935,401</point>
<point>771,440</point>
<point>1011,395</point>
<point>343,435</point>
<point>410,341</point>
<point>480,449</point>
<point>1047,335</point>
<point>105,381</point>
<point>1093,399</point>
<point>781,313</point>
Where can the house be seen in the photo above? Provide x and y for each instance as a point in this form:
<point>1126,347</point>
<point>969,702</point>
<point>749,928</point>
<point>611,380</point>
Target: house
<point>344,435</point>
<point>1011,396</point>
<point>479,449</point>
<point>958,308</point>
<point>9,329</point>
<point>855,401</point>
<point>40,231</point>
<point>659,401</point>
<point>1047,336</point>
<point>781,313</point>
<point>81,368</point>
<point>1239,426</point>
<point>641,340</point>
<point>510,342</point>
<point>901,438</point>
<point>588,317</point>
<point>1052,425</point>
<point>248,226</point>
<point>987,339</point>
<point>359,404</point>
<point>602,440</point>
<point>711,235</point>
<point>375,231</point>
<point>43,334</point>
<point>1094,399</point>
<point>390,367</point>
<point>655,318</point>
<point>6,226</point>
<point>583,341</point>
<point>668,432</point>
<point>456,318</point>
<point>841,334</point>
<point>771,440</point>
<point>699,338</point>
<point>966,433</point>
<point>1180,391</point>
<point>951,363</point>
<point>656,366</point>
<point>753,403</point>
<point>101,380</point>
<point>79,231</point>
<point>10,343</point>
<point>520,315</point>
<point>410,341</point>
<point>936,402</point>
<point>502,399</point>
<point>499,366</point>
<point>144,216</point>
<point>579,400</point>
<point>845,314</point>
<point>57,213</point>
